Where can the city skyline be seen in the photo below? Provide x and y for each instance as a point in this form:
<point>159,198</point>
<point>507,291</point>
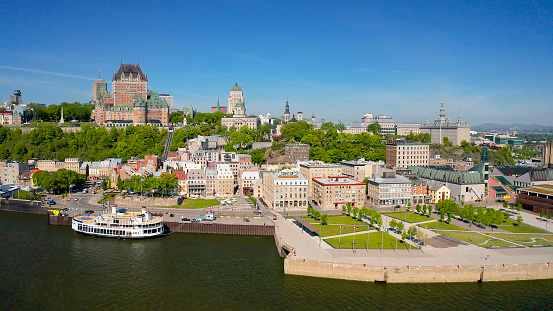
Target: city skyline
<point>339,61</point>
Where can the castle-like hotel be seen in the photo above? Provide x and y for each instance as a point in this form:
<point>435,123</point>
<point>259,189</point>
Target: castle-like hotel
<point>132,103</point>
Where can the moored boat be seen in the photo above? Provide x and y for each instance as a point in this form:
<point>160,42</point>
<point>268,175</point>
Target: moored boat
<point>119,224</point>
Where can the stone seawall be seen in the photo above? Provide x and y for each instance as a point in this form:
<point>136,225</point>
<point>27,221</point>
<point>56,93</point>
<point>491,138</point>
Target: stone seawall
<point>418,274</point>
<point>25,206</point>
<point>152,202</point>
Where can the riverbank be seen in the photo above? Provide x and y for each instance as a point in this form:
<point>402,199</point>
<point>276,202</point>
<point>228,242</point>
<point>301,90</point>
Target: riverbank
<point>463,263</point>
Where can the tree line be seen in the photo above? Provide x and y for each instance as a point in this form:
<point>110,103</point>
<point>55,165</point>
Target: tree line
<point>60,181</point>
<point>90,144</point>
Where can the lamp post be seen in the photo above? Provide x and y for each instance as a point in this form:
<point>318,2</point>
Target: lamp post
<point>141,181</point>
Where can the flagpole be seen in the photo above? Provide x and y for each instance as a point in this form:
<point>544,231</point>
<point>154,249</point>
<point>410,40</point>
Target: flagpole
<point>340,239</point>
<point>353,244</point>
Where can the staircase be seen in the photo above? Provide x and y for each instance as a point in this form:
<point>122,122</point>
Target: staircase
<point>168,144</point>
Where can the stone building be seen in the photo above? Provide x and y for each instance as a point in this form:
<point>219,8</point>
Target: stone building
<point>237,107</point>
<point>404,153</point>
<point>389,190</point>
<point>314,169</point>
<point>285,190</point>
<point>442,127</point>
<point>335,191</point>
<point>295,153</point>
<point>10,171</point>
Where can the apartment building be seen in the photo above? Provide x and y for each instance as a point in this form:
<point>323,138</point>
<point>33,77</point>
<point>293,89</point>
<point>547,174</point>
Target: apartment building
<point>389,190</point>
<point>336,191</point>
<point>313,169</point>
<point>404,154</point>
<point>285,190</point>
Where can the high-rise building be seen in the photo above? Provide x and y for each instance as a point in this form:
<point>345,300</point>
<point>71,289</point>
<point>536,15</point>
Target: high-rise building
<point>128,81</point>
<point>236,96</point>
<point>97,87</point>
<point>237,107</point>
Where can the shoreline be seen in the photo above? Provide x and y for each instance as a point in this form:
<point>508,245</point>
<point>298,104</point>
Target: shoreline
<point>467,263</point>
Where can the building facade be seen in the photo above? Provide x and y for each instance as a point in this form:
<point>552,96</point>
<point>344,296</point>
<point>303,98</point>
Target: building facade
<point>442,127</point>
<point>315,169</point>
<point>295,153</point>
<point>404,154</point>
<point>389,190</point>
<point>285,190</point>
<point>335,192</point>
<point>132,103</point>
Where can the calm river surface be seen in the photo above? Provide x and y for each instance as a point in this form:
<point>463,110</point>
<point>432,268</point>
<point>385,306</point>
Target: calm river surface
<point>52,268</point>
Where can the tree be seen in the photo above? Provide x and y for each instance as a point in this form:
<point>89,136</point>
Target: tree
<point>344,209</point>
<point>542,214</point>
<point>424,209</point>
<point>316,214</point>
<point>374,128</point>
<point>404,235</point>
<point>409,205</point>
<point>519,219</point>
<point>393,223</point>
<point>348,205</point>
<point>418,208</point>
<point>519,207</point>
<point>430,210</point>
<point>105,184</point>
<point>400,226</point>
<point>119,183</point>
<point>309,210</point>
<point>324,219</point>
<point>356,212</point>
<point>505,204</point>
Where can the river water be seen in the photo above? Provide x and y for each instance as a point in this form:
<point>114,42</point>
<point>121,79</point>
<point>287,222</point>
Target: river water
<point>52,268</point>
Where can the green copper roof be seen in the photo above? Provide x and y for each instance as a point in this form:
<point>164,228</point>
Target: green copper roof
<point>236,87</point>
<point>454,177</point>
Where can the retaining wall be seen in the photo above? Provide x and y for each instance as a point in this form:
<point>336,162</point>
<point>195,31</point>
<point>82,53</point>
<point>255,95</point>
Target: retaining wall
<point>417,274</point>
<point>25,206</point>
<point>217,228</point>
<point>155,202</point>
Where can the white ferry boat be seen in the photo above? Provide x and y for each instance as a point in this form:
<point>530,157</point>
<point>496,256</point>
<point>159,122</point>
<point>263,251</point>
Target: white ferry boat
<point>120,224</point>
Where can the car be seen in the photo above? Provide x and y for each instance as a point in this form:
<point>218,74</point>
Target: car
<point>172,215</point>
<point>274,217</point>
<point>76,199</point>
<point>185,218</point>
<point>64,215</point>
<point>64,209</point>
<point>500,200</point>
<point>89,212</point>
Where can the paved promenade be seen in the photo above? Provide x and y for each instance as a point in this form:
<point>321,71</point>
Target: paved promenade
<point>311,248</point>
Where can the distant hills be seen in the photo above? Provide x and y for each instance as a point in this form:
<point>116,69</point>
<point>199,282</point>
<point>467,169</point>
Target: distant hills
<point>519,127</point>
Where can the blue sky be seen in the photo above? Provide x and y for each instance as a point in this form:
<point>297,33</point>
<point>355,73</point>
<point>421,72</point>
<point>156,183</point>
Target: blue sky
<point>492,59</point>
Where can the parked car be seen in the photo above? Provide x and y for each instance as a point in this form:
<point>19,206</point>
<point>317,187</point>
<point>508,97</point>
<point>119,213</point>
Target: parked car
<point>185,218</point>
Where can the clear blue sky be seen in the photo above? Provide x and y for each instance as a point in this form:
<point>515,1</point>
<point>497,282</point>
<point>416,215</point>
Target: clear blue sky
<point>492,59</point>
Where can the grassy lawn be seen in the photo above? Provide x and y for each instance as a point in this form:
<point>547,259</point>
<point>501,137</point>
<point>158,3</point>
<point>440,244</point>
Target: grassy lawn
<point>197,203</point>
<point>106,197</point>
<point>498,243</point>
<point>441,225</point>
<point>339,219</point>
<point>521,229</point>
<point>328,230</point>
<point>526,239</point>
<point>411,217</point>
<point>375,241</point>
<point>466,236</point>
